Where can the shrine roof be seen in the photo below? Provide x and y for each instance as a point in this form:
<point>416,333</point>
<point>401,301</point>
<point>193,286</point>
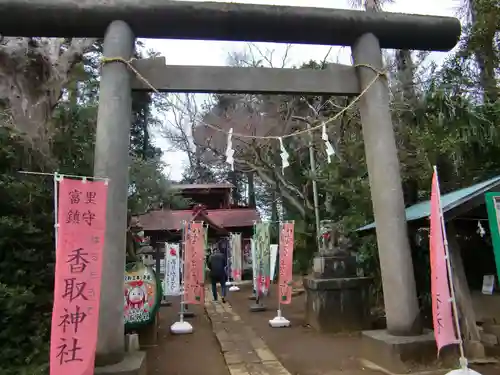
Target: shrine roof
<point>224,185</point>
<point>449,201</point>
<point>222,218</point>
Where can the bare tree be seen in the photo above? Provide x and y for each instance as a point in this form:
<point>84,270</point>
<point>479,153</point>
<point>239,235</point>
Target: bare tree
<point>258,121</point>
<point>371,5</point>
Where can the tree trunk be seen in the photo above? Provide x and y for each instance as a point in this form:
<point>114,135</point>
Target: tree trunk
<point>233,178</point>
<point>470,331</point>
<point>406,74</point>
<point>274,207</point>
<point>251,190</point>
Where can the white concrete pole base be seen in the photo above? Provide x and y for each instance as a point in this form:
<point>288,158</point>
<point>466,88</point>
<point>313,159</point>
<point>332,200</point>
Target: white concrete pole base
<point>463,371</point>
<point>181,328</point>
<point>279,321</point>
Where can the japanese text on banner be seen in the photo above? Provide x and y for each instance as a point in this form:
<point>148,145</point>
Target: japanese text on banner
<point>172,268</point>
<point>236,256</point>
<point>263,256</point>
<point>75,315</point>
<point>253,253</point>
<point>286,263</point>
<point>444,331</point>
<point>194,259</point>
<point>229,257</point>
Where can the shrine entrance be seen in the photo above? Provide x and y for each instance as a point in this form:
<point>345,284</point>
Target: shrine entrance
<point>120,22</point>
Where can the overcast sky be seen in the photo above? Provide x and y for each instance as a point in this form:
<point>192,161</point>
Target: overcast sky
<point>182,52</point>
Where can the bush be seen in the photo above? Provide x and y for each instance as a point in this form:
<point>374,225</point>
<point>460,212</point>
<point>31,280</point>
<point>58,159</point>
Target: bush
<point>26,264</point>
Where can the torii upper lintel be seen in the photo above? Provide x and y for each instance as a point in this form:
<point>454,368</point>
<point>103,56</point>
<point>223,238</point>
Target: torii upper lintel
<point>226,21</point>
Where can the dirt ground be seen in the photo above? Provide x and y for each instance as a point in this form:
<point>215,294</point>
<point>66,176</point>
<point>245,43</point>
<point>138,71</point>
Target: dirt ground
<point>301,349</point>
<point>195,354</point>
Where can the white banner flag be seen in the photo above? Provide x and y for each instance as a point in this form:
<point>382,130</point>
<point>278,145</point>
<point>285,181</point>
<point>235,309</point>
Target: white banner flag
<point>274,258</point>
<point>236,256</point>
<point>254,264</point>
<point>171,285</point>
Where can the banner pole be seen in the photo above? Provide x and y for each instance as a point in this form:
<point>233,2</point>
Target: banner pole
<point>181,266</point>
<point>181,326</point>
<point>463,359</point>
<point>253,257</point>
<point>280,226</point>
<point>56,208</point>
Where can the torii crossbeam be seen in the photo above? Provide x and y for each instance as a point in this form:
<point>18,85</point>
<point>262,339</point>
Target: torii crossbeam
<point>226,21</point>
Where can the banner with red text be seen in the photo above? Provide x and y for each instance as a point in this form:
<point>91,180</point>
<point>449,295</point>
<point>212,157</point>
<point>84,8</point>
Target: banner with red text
<point>172,285</point>
<point>236,256</point>
<point>194,262</point>
<point>286,262</point>
<point>80,239</point>
<point>444,331</point>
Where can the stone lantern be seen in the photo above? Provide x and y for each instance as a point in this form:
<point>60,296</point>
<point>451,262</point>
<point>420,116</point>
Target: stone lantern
<point>337,299</point>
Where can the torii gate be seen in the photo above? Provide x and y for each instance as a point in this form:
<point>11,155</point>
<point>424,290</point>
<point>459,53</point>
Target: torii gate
<point>365,32</point>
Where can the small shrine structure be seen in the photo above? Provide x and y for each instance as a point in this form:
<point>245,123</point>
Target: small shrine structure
<point>210,203</point>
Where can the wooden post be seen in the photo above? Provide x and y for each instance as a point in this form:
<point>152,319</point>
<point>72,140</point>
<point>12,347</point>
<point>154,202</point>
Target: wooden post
<point>470,331</point>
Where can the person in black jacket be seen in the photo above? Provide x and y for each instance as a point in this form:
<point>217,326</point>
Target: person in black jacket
<point>217,266</point>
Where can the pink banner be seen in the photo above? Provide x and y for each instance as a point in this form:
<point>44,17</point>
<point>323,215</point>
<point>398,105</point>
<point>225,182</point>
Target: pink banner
<point>194,258</point>
<point>444,331</point>
<point>286,263</point>
<point>82,221</point>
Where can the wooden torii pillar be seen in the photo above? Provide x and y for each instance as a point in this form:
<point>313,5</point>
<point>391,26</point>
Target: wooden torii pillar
<point>365,32</point>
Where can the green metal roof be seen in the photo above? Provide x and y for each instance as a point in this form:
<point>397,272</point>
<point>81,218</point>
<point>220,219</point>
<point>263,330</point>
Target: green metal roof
<point>449,201</point>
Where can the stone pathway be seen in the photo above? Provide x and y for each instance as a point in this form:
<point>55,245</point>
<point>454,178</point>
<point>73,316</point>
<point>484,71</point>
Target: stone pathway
<point>174,353</point>
<point>245,353</point>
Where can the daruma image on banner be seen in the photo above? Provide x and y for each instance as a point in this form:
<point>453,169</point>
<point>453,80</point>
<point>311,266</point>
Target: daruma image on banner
<point>141,295</point>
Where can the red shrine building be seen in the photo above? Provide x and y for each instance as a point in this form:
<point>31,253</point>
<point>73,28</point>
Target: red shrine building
<point>210,203</point>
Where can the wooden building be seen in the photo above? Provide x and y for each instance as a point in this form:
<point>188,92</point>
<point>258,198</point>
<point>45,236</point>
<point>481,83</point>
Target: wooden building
<point>210,203</point>
<point>472,259</point>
